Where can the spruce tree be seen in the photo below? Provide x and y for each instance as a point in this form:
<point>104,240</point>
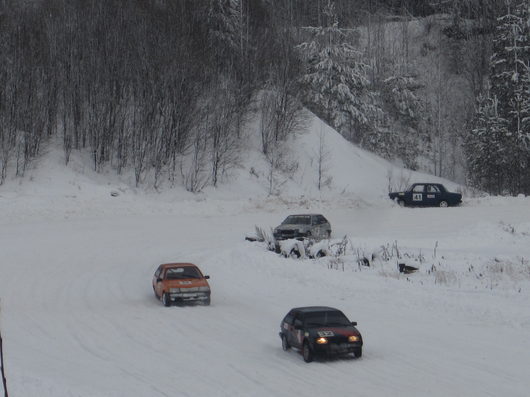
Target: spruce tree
<point>502,127</point>
<point>487,148</point>
<point>335,79</point>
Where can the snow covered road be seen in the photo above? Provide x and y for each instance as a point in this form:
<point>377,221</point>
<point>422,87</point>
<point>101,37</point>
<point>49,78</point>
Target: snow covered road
<point>79,317</point>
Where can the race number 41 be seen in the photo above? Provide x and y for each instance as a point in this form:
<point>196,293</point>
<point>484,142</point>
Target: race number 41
<point>417,197</point>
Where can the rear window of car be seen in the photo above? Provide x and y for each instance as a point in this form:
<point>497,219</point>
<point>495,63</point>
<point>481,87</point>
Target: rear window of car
<point>297,220</point>
<point>182,272</point>
<point>325,319</point>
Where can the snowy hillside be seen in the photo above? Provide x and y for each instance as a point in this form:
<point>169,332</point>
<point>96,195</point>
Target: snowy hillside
<point>355,176</point>
<point>78,316</point>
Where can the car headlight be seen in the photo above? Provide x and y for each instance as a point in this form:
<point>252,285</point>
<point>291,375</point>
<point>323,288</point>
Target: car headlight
<point>322,341</point>
<point>204,289</point>
<point>173,290</point>
<point>353,338</point>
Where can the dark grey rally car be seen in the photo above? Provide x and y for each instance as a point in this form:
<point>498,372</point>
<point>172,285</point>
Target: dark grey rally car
<point>302,226</point>
<point>426,194</point>
<point>320,330</point>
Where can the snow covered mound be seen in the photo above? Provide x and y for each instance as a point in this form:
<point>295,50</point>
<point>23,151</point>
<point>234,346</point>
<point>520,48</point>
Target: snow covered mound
<point>348,171</point>
<point>350,176</point>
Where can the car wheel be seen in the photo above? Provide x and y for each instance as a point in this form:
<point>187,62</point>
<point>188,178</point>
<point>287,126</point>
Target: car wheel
<point>285,345</point>
<point>444,204</point>
<point>328,234</point>
<point>307,353</point>
<point>401,203</point>
<point>320,254</point>
<point>295,254</point>
<point>358,352</point>
<point>206,302</point>
<point>166,301</point>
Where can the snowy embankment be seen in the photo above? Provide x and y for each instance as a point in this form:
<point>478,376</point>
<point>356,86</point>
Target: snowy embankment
<point>79,317</point>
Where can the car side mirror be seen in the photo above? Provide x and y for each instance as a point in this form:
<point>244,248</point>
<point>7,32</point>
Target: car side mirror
<point>207,277</point>
<point>354,323</point>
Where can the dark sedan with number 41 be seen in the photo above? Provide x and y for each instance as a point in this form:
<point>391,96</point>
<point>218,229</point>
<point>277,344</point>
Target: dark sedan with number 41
<point>320,330</point>
<point>426,194</point>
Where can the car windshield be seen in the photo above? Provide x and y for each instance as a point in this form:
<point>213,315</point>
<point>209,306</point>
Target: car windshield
<point>326,319</point>
<point>182,272</point>
<point>297,220</point>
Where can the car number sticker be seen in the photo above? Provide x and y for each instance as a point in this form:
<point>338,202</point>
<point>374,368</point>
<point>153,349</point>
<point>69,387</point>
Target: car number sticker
<point>417,197</point>
<point>184,282</point>
<point>325,333</point>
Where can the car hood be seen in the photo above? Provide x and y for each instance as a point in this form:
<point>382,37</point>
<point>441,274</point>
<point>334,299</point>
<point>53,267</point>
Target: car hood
<point>335,331</point>
<point>186,283</point>
<point>292,227</point>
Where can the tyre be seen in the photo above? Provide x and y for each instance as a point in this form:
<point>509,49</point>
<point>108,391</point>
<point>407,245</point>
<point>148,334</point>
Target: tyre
<point>358,352</point>
<point>166,301</point>
<point>320,254</point>
<point>401,203</point>
<point>285,345</point>
<point>307,353</point>
<point>206,302</point>
<point>295,254</point>
<point>328,234</point>
<point>444,204</point>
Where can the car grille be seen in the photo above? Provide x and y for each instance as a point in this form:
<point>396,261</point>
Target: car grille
<point>285,234</point>
<point>191,289</point>
<point>338,339</point>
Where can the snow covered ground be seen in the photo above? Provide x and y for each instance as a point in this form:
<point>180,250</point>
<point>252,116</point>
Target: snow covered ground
<point>79,318</point>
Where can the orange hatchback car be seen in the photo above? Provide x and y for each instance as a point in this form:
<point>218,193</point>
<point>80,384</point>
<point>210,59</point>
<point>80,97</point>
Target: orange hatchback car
<point>179,283</point>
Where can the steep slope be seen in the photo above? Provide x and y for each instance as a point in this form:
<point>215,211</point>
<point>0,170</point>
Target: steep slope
<point>352,175</point>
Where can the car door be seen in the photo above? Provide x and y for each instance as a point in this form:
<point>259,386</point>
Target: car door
<point>418,194</point>
<point>297,335</point>
<point>158,285</point>
<point>433,195</point>
<point>316,227</point>
<point>287,326</point>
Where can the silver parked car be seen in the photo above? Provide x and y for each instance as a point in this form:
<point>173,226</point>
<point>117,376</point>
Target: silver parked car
<point>313,226</point>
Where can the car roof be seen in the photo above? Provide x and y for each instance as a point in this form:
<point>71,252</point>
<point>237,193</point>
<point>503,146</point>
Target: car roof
<point>178,264</point>
<point>427,183</point>
<point>305,215</point>
<point>311,309</point>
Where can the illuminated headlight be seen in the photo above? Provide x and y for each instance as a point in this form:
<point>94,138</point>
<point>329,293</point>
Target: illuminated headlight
<point>174,290</point>
<point>322,341</point>
<point>353,338</point>
<point>204,289</point>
